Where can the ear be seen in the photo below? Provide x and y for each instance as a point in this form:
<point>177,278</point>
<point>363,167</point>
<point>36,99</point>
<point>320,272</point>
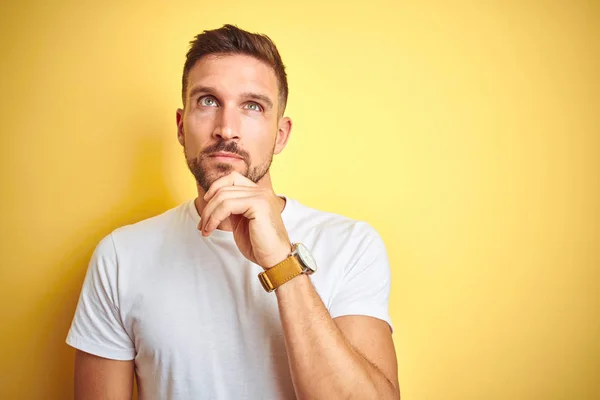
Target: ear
<point>179,118</point>
<point>284,129</point>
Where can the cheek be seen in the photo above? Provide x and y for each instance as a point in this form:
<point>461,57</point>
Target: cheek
<point>199,122</point>
<point>258,137</point>
<point>198,128</point>
<point>257,129</point>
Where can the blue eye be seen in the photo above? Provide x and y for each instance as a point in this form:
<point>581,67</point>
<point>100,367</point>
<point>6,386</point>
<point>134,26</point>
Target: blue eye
<point>253,106</point>
<point>208,101</point>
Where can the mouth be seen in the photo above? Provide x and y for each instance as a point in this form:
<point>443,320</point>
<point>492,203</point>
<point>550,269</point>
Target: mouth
<point>225,156</point>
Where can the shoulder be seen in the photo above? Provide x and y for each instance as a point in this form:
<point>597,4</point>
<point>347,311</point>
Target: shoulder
<point>150,231</point>
<point>332,227</point>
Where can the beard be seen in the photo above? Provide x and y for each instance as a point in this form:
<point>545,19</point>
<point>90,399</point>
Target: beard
<point>206,172</point>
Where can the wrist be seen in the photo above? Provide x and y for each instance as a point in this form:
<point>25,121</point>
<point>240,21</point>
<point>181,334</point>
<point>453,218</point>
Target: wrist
<point>298,261</point>
<point>281,254</point>
<point>299,283</point>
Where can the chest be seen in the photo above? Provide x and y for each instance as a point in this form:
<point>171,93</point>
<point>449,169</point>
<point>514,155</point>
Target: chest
<point>183,304</point>
<point>193,325</point>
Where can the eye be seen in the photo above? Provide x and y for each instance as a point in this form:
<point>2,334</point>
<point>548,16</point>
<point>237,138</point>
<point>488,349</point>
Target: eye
<point>207,101</point>
<point>252,106</point>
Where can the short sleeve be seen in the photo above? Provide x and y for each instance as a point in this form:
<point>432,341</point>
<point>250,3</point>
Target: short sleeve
<point>365,286</point>
<point>97,327</point>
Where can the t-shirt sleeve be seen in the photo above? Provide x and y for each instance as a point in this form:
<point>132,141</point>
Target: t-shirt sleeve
<point>97,327</point>
<point>365,286</point>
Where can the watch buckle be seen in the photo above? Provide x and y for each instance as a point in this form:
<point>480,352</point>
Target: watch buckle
<point>265,282</point>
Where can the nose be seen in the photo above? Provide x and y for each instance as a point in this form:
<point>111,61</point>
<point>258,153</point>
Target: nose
<point>227,124</point>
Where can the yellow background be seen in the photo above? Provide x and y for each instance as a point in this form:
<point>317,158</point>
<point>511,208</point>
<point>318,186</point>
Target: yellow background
<point>466,133</point>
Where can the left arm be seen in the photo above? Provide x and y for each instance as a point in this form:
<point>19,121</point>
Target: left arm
<point>349,357</point>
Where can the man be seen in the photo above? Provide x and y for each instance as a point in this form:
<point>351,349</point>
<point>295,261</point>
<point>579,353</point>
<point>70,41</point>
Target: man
<point>239,293</point>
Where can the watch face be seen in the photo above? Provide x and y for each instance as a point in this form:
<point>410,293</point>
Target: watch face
<point>306,258</point>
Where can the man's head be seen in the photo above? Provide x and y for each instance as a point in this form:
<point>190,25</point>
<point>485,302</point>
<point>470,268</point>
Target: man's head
<point>234,92</point>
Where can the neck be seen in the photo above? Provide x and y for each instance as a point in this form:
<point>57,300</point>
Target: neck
<point>265,182</point>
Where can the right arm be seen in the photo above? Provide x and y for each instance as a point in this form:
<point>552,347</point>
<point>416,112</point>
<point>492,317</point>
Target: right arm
<point>105,352</point>
<point>98,378</point>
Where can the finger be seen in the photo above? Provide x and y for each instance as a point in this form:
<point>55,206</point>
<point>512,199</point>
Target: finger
<point>219,197</point>
<point>225,189</point>
<point>232,179</point>
<point>226,208</point>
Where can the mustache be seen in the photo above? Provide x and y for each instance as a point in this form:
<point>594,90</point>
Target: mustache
<point>229,147</point>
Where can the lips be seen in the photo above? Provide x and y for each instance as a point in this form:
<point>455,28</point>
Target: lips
<point>226,155</point>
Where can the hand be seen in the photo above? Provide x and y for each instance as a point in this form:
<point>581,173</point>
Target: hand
<point>258,229</point>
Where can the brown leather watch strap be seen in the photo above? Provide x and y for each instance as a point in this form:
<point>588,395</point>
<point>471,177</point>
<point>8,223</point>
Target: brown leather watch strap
<point>276,276</point>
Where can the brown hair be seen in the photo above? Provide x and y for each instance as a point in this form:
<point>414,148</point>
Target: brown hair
<point>230,39</point>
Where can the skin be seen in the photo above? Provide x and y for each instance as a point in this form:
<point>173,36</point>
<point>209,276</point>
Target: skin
<point>232,106</point>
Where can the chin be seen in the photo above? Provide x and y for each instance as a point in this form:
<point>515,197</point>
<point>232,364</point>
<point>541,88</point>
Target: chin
<point>222,169</point>
<point>206,174</point>
<point>225,168</point>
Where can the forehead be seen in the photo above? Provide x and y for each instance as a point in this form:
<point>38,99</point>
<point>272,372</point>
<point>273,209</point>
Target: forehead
<point>232,74</point>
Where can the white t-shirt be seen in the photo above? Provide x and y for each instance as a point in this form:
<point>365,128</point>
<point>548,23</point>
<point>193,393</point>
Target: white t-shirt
<point>192,313</point>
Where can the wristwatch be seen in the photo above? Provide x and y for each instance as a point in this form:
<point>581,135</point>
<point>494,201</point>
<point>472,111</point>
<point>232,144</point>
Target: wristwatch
<point>300,261</point>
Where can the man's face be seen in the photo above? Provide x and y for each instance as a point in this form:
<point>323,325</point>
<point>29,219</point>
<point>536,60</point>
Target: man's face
<point>230,121</point>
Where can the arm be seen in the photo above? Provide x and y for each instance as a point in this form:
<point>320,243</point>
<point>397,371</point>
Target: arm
<point>104,358</point>
<point>101,378</point>
<point>351,357</point>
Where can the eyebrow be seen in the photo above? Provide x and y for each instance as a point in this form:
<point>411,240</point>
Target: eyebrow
<point>247,95</point>
<point>259,97</point>
<point>201,89</point>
